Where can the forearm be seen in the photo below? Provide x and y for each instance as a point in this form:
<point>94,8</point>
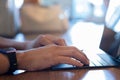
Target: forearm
<point>5,43</point>
<point>4,64</point>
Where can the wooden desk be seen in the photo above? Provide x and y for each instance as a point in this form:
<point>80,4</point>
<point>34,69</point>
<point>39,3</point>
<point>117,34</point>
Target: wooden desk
<point>81,74</point>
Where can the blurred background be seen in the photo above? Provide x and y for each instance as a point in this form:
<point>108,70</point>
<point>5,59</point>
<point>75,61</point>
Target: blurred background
<point>47,16</point>
<point>25,19</point>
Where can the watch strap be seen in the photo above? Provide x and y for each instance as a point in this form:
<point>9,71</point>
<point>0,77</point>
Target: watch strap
<point>12,61</point>
<point>11,55</point>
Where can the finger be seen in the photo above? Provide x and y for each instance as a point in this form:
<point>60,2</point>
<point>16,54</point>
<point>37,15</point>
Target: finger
<point>56,40</point>
<point>45,41</point>
<point>68,60</point>
<point>79,56</point>
<point>84,54</point>
<point>48,39</point>
<point>75,53</point>
<point>60,42</point>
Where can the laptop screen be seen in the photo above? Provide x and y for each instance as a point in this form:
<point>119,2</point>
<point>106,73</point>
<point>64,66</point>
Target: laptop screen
<point>112,19</point>
<point>110,41</point>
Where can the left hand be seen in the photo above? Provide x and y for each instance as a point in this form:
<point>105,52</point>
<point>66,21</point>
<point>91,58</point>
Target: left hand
<point>50,55</point>
<point>43,40</point>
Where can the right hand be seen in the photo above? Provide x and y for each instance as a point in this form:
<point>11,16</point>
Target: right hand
<point>43,40</point>
<point>48,56</point>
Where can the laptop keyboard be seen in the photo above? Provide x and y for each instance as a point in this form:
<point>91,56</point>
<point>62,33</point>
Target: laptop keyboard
<point>96,61</point>
<point>103,60</point>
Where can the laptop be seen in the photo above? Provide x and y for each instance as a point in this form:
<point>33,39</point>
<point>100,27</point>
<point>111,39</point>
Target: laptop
<point>110,45</point>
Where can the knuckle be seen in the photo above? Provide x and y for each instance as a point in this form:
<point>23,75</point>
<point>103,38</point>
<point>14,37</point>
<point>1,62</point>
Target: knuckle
<point>61,40</point>
<point>58,40</point>
<point>43,36</point>
<point>73,48</point>
<point>55,47</point>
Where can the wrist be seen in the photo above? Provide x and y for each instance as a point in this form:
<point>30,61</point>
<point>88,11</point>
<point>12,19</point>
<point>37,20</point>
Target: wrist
<point>10,54</point>
<point>20,59</point>
<point>23,60</point>
<point>23,45</point>
<point>19,45</point>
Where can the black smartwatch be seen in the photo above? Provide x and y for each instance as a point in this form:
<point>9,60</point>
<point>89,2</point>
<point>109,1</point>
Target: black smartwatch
<point>10,53</point>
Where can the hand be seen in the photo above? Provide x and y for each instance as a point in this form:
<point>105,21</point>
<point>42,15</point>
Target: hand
<point>43,40</point>
<point>47,56</point>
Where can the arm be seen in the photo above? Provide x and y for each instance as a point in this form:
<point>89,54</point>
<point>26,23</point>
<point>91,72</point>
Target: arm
<point>45,57</point>
<point>39,41</point>
<point>6,43</point>
<point>4,62</point>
